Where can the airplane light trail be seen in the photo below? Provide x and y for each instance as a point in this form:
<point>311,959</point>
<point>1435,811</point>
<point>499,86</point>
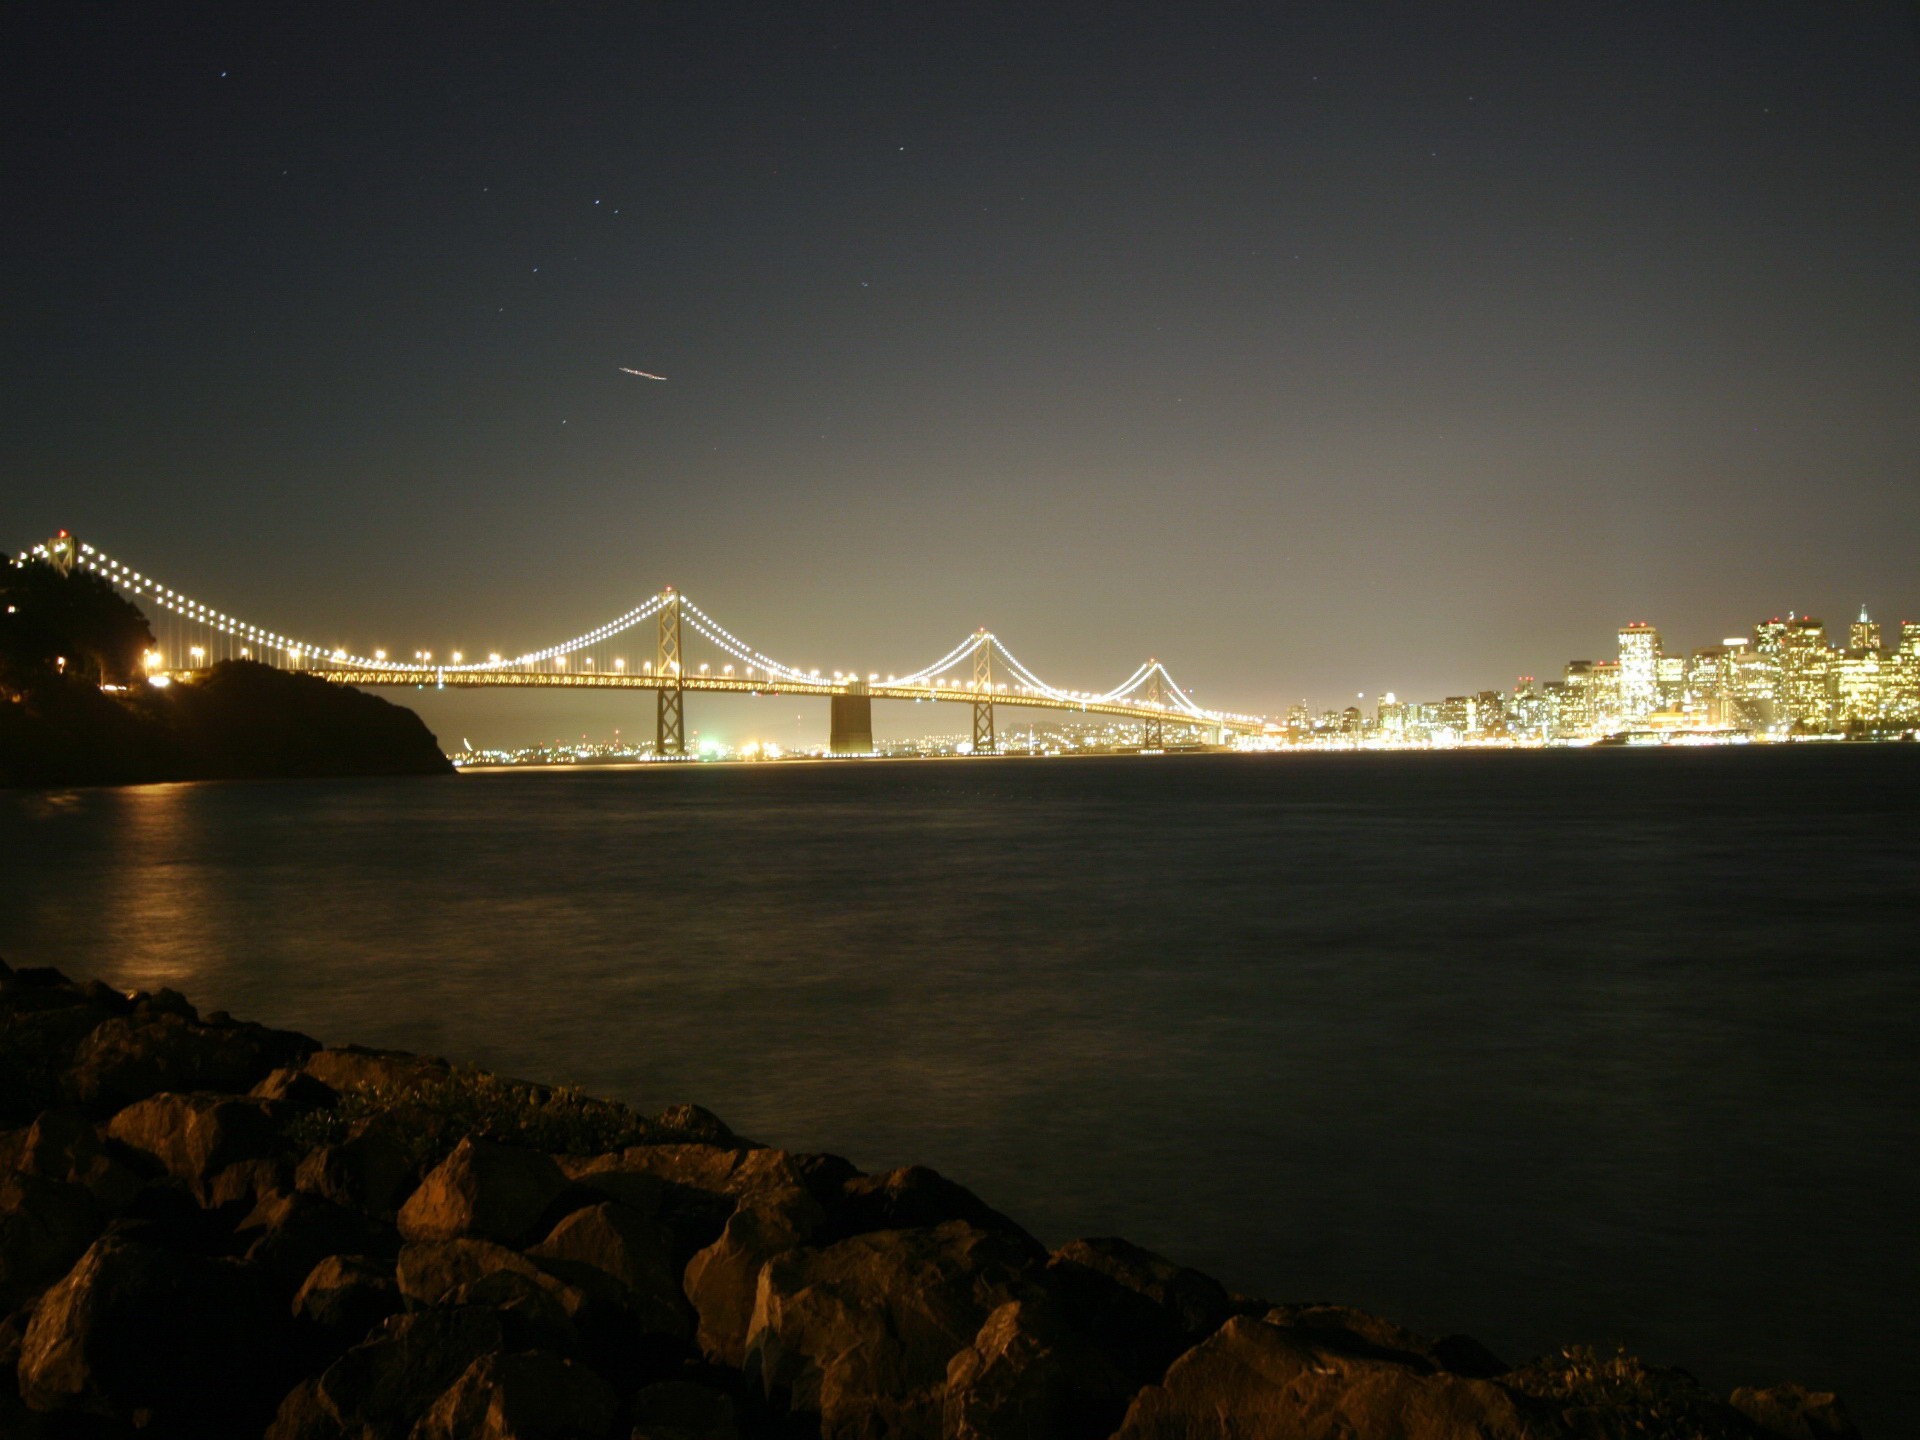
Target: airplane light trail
<point>629,370</point>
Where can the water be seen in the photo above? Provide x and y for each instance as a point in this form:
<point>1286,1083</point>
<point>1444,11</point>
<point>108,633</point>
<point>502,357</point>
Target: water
<point>1598,1046</point>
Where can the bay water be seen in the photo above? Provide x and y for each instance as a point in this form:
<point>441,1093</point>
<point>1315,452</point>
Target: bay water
<point>1601,1046</point>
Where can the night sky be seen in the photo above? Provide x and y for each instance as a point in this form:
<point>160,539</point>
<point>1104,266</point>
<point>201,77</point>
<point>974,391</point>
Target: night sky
<point>1315,349</point>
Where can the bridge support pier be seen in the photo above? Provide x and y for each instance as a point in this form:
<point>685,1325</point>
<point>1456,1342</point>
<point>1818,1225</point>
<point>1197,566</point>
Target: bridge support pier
<point>670,728</point>
<point>983,739</point>
<point>852,728</point>
<point>1154,734</point>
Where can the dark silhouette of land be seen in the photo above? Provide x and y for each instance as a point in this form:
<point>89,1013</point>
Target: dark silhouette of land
<point>76,708</point>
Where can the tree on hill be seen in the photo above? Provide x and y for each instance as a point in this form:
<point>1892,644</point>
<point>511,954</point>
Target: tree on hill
<point>73,625</point>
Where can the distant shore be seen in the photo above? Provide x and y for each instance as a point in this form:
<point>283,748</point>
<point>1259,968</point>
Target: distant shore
<point>377,1243</point>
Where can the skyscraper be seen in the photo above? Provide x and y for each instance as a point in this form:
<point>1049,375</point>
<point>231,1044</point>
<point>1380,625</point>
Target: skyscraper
<point>1863,634</point>
<point>1639,671</point>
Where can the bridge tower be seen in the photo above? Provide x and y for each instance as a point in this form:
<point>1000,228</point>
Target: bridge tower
<point>670,734</point>
<point>1155,735</point>
<point>983,741</point>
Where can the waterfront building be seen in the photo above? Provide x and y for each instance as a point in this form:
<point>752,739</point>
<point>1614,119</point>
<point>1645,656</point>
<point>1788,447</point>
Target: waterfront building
<point>1807,692</point>
<point>1639,670</point>
<point>1859,683</point>
<point>1577,711</point>
<point>1863,634</point>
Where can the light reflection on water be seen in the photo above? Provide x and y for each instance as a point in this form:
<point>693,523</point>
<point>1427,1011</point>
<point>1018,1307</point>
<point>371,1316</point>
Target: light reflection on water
<point>1612,1047</point>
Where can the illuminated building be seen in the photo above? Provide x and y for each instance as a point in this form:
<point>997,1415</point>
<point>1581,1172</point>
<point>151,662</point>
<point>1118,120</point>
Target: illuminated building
<point>1863,634</point>
<point>1859,687</point>
<point>1639,671</point>
<point>1806,674</point>
<point>1578,711</point>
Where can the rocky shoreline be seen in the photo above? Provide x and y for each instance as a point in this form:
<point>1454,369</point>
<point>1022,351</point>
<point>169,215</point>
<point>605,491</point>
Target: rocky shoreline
<point>210,1228</point>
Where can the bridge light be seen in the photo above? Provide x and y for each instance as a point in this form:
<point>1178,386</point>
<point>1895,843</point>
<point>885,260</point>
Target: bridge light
<point>493,657</point>
<point>619,664</point>
<point>379,654</point>
<point>726,670</point>
<point>456,657</point>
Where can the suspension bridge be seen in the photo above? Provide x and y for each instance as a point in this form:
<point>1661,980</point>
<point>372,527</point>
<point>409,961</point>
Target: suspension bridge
<point>980,672</point>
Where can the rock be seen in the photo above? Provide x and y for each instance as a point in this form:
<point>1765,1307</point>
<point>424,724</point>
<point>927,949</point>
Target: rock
<point>64,1145</point>
<point>134,1329</point>
<point>39,1032</point>
<point>429,1270</point>
<point>637,1253</point>
<point>537,1312</point>
<point>288,1233</point>
<point>45,1225</point>
<point>350,1067</point>
<point>722,1281</point>
<point>379,1388</point>
<point>494,1192</point>
<point>1140,1308</point>
<point>1792,1412</point>
<point>195,1137</point>
<point>532,1396</point>
<point>369,1170</point>
<point>1198,1304</point>
<point>1253,1380</point>
<point>345,1296</point>
<point>861,1333</point>
<point>165,1001</point>
<point>127,1058</point>
<point>478,1272</point>
<point>1355,1332</point>
<point>914,1198</point>
<point>694,1122</point>
<point>682,1410</point>
<point>296,1088</point>
<point>1030,1375</point>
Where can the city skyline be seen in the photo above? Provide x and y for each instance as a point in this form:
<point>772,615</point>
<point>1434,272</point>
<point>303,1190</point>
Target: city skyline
<point>1782,679</point>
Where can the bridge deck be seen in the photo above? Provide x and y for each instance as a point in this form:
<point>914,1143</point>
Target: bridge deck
<point>470,679</point>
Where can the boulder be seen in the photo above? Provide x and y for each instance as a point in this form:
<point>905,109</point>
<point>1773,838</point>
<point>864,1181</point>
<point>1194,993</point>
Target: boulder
<point>861,1333</point>
<point>1341,1327</point>
<point>65,1145</point>
<point>531,1396</point>
<point>370,1170</point>
<point>195,1137</point>
<point>722,1281</point>
<point>382,1386</point>
<point>636,1253</point>
<point>345,1296</point>
<point>37,1044</point>
<point>1197,1303</point>
<point>45,1225</point>
<point>297,1089</point>
<point>289,1232</point>
<point>1255,1380</point>
<point>694,1122</point>
<point>1792,1412</point>
<point>914,1198</point>
<point>682,1410</point>
<point>429,1270</point>
<point>490,1191</point>
<point>133,1328</point>
<point>128,1058</point>
<point>351,1067</point>
<point>535,1311</point>
<point>1031,1375</point>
